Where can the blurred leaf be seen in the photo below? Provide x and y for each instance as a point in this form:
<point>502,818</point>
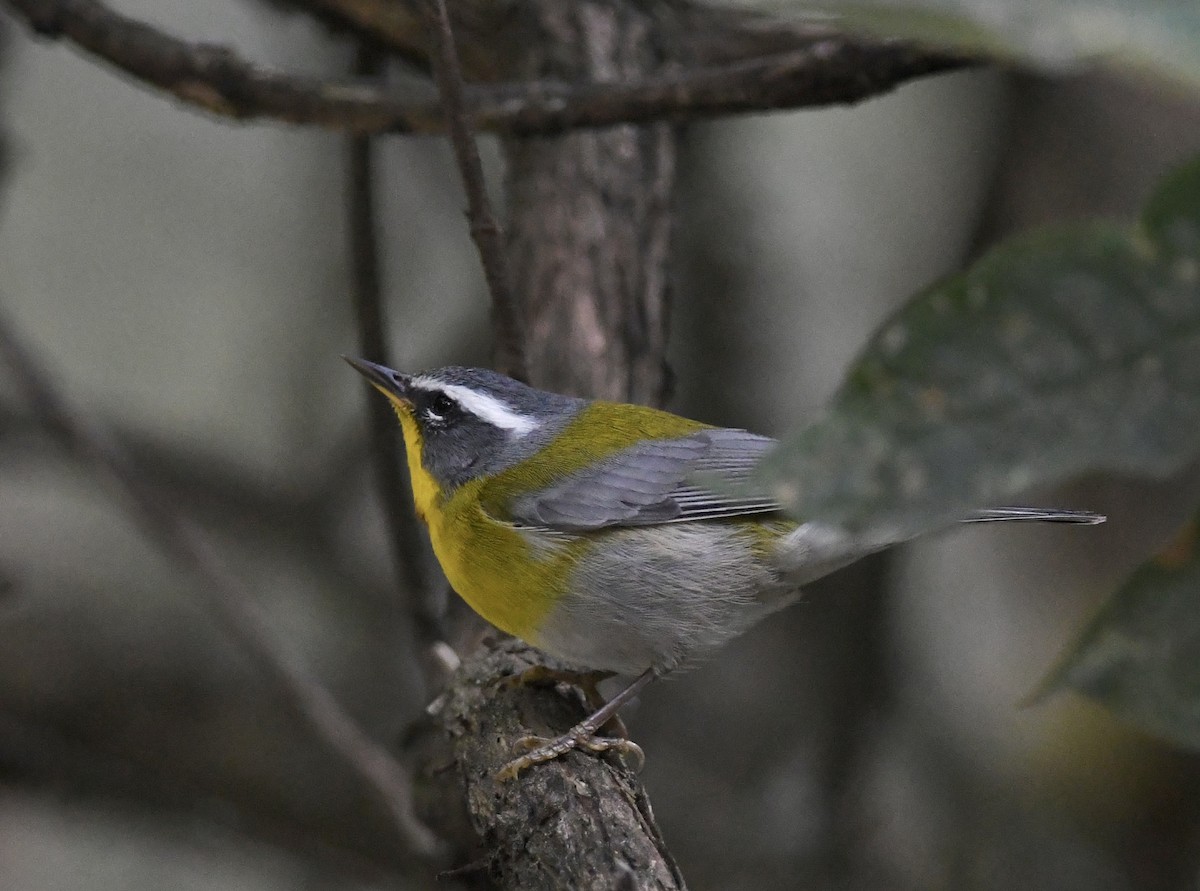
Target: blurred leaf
<point>1140,655</point>
<point>1061,351</point>
<point>1159,36</point>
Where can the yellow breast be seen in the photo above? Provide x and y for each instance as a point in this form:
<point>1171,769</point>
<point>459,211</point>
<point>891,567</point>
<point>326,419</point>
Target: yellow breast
<point>497,569</point>
<point>490,564</point>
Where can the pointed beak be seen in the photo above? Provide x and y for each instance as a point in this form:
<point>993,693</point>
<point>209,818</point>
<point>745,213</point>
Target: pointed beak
<point>392,384</point>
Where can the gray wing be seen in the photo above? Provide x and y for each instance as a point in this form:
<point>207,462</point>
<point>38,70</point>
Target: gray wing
<point>650,483</point>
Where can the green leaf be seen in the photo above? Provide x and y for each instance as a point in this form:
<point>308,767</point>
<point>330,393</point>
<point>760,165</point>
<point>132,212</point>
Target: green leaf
<point>1062,351</point>
<point>1140,655</point>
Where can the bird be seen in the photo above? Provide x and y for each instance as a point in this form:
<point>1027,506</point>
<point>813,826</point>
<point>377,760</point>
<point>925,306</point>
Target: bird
<point>592,530</point>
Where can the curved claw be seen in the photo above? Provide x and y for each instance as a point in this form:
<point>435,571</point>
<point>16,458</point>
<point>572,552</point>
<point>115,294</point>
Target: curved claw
<point>538,750</point>
<point>530,743</point>
<point>623,747</point>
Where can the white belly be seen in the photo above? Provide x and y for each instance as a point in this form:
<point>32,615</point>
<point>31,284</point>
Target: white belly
<point>662,597</point>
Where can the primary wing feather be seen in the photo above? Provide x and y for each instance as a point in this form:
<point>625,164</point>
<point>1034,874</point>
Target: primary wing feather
<point>650,483</point>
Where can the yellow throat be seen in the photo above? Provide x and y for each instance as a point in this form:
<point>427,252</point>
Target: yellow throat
<point>488,562</point>
<point>426,492</point>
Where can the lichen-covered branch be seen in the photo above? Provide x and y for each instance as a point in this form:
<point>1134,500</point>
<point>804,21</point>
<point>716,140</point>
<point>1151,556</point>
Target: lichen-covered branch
<point>581,822</point>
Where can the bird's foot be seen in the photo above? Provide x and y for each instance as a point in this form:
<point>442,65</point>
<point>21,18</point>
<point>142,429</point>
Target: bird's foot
<point>539,749</point>
<point>584,734</point>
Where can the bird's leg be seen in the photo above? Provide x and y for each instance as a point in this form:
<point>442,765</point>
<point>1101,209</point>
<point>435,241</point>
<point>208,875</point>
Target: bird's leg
<point>581,736</point>
<point>586,682</point>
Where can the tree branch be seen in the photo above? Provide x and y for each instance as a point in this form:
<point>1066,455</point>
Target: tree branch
<point>828,70</point>
<point>580,821</point>
<point>509,337</point>
<point>494,35</point>
<point>223,593</point>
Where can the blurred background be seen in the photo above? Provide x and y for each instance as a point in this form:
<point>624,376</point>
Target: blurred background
<point>187,281</point>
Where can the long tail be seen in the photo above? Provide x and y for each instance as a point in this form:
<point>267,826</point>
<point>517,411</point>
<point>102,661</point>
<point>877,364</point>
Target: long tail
<point>812,550</point>
<point>1034,514</point>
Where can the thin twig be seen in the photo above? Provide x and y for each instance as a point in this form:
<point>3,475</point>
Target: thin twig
<point>509,344</point>
<point>830,70</point>
<point>386,447</point>
<point>222,592</point>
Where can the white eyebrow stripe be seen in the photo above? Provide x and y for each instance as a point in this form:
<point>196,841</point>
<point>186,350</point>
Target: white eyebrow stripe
<point>486,408</point>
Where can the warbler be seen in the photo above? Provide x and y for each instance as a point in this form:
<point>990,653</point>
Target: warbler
<point>582,527</point>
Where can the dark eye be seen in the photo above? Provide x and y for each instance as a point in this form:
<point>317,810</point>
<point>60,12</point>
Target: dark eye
<point>442,404</point>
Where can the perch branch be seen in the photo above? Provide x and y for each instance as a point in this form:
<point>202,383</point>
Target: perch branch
<point>223,593</point>
<point>580,821</point>
<point>509,344</point>
<point>828,70</point>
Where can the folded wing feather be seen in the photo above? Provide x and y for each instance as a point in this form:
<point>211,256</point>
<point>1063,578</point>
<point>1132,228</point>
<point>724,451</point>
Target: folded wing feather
<point>650,483</point>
